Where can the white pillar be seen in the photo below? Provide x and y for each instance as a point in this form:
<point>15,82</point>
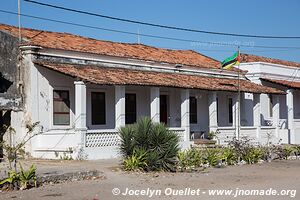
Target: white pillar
<point>290,109</point>
<point>236,114</point>
<point>276,114</point>
<point>80,110</point>
<point>185,113</point>
<point>80,105</point>
<point>119,106</point>
<point>154,104</point>
<point>257,114</point>
<point>213,114</point>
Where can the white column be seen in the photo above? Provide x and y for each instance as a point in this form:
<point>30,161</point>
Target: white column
<point>154,104</point>
<point>80,105</point>
<point>213,114</point>
<point>235,113</point>
<point>185,113</point>
<point>257,114</point>
<point>290,109</point>
<point>119,106</point>
<point>276,113</point>
<point>80,111</point>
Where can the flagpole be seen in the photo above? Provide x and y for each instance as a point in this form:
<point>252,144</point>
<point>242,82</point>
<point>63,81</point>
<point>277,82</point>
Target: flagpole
<point>239,99</point>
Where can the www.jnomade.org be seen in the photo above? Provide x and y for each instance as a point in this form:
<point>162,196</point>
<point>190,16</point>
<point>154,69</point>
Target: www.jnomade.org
<point>197,192</point>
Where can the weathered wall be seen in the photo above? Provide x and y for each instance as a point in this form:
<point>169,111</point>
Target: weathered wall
<point>9,76</point>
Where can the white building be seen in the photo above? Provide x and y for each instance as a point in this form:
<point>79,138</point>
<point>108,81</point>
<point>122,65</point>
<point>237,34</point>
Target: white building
<point>82,90</point>
<point>281,112</point>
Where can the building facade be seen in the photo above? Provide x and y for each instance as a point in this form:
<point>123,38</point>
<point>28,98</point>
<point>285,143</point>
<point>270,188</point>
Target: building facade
<point>83,90</point>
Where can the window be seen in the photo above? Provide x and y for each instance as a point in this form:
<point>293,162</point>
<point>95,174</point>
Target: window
<point>230,114</point>
<point>98,108</point>
<point>61,107</point>
<point>193,110</point>
<point>130,108</point>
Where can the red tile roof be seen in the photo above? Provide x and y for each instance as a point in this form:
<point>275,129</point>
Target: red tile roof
<point>121,76</point>
<point>289,84</point>
<point>253,58</point>
<point>67,41</point>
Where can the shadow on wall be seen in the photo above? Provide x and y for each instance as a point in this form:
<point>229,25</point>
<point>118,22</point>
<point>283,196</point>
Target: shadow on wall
<point>4,84</point>
<point>4,124</point>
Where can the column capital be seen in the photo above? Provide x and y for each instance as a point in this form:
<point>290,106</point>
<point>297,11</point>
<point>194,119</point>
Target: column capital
<point>79,83</point>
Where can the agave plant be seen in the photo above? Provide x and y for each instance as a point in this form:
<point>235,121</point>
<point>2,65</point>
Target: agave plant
<point>161,144</point>
<point>27,178</point>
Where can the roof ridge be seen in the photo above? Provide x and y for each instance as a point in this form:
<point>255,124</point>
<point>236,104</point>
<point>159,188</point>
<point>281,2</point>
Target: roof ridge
<point>79,43</point>
<point>264,57</point>
<point>113,42</point>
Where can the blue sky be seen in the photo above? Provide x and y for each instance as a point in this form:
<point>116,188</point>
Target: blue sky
<point>257,17</point>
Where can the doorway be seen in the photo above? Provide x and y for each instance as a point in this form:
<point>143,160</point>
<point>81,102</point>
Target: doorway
<point>163,109</point>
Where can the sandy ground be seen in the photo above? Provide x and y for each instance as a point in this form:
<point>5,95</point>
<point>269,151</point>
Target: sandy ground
<point>278,175</point>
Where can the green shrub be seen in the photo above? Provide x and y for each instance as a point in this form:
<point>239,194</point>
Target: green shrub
<point>27,178</point>
<point>297,150</point>
<point>22,180</point>
<point>212,156</point>
<point>190,159</point>
<point>228,156</point>
<point>252,155</point>
<point>288,150</point>
<point>137,161</point>
<point>160,144</point>
<point>12,180</point>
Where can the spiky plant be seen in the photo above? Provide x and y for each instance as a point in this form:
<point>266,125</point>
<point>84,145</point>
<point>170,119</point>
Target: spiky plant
<point>127,143</point>
<point>161,144</point>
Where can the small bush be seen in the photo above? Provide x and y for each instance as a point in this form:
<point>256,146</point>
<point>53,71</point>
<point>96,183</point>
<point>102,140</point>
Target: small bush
<point>137,161</point>
<point>21,180</point>
<point>287,151</point>
<point>212,156</point>
<point>228,156</point>
<point>190,159</point>
<point>160,144</point>
<point>252,155</point>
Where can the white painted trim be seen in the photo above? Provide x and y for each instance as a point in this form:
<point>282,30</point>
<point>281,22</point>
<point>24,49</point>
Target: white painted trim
<point>61,127</point>
<point>269,64</point>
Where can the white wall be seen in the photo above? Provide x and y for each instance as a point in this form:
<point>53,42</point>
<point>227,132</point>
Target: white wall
<point>44,81</point>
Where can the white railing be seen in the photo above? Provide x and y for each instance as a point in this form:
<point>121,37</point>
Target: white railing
<point>297,123</point>
<point>249,131</point>
<point>102,138</point>
<point>225,134</point>
<point>110,137</point>
<point>180,131</point>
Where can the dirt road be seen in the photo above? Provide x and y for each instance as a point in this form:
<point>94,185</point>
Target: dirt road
<point>279,176</point>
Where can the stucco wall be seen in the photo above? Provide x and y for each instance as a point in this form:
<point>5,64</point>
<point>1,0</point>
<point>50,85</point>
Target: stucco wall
<point>10,98</point>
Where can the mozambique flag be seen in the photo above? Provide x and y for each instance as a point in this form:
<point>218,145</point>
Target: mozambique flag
<point>232,60</point>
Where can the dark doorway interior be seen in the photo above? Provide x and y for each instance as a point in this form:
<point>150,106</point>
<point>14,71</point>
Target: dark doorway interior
<point>164,109</point>
<point>4,124</point>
